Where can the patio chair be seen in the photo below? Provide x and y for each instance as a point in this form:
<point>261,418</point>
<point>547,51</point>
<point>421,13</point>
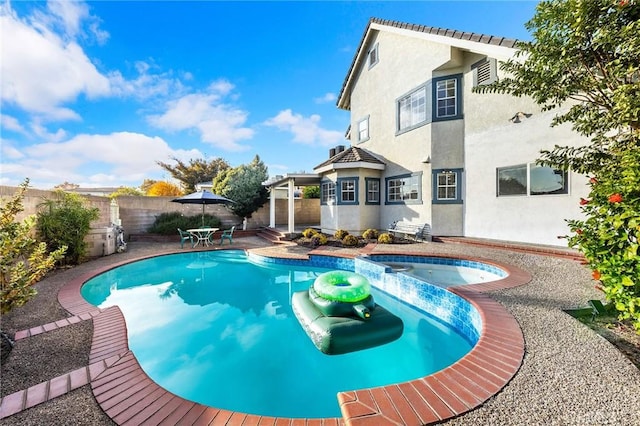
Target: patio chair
<point>184,236</point>
<point>227,234</point>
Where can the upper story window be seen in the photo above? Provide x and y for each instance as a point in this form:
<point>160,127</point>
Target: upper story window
<point>485,72</point>
<point>327,192</point>
<point>447,186</point>
<point>373,56</point>
<point>530,179</point>
<point>363,130</point>
<point>348,188</point>
<point>405,189</point>
<point>447,97</point>
<point>412,109</point>
<point>373,191</point>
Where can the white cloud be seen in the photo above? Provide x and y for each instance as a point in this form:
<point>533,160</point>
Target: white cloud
<point>219,123</point>
<point>11,123</point>
<point>327,98</point>
<point>305,130</point>
<point>40,71</point>
<point>121,158</point>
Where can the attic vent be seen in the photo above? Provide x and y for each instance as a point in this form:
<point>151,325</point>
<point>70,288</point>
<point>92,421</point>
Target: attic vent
<point>484,72</point>
<point>373,56</point>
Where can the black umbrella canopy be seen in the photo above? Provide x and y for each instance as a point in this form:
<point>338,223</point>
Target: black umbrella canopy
<point>202,197</point>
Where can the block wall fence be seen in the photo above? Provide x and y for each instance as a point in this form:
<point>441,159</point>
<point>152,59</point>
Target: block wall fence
<point>138,213</point>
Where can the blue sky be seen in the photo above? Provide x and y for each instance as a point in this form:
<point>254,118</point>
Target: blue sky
<point>94,93</point>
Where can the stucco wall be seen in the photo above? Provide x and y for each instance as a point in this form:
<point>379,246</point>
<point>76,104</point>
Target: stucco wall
<point>526,218</point>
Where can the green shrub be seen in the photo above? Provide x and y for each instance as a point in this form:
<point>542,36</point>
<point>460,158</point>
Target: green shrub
<point>319,239</point>
<point>168,223</point>
<point>309,232</point>
<point>340,234</point>
<point>370,234</point>
<point>64,220</point>
<point>23,260</point>
<point>385,238</point>
<point>350,241</point>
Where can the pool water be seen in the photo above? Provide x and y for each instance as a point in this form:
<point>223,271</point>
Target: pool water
<point>446,275</point>
<point>217,329</point>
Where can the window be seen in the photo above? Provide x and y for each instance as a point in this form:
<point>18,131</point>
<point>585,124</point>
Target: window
<point>348,188</point>
<point>484,72</point>
<point>447,98</point>
<point>327,192</point>
<point>447,186</point>
<point>412,109</point>
<point>373,56</point>
<point>531,179</point>
<point>373,191</point>
<point>547,180</point>
<point>404,189</point>
<point>363,130</point>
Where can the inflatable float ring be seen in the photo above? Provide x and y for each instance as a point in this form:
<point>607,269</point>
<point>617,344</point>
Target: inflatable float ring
<point>342,286</point>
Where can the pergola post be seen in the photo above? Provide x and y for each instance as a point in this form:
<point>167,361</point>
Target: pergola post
<point>272,207</point>
<point>291,206</point>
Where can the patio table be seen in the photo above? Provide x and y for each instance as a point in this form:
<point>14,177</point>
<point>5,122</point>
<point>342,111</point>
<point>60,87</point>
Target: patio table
<point>202,235</point>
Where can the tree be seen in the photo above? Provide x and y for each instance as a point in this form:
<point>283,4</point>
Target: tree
<point>64,221</point>
<point>146,184</point>
<point>23,260</point>
<point>163,189</point>
<point>126,190</point>
<point>586,55</point>
<point>243,185</point>
<point>311,192</point>
<point>197,171</point>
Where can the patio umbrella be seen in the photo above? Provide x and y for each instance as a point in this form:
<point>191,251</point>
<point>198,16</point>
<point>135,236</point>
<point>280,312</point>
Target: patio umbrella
<point>202,197</point>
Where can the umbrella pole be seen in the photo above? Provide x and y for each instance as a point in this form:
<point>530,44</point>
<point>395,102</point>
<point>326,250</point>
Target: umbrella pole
<point>203,215</point>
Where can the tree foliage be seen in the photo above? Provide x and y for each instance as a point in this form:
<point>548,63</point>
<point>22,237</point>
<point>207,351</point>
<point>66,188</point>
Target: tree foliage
<point>585,54</point>
<point>126,190</point>
<point>195,172</point>
<point>163,189</point>
<point>64,221</point>
<point>23,260</point>
<point>243,185</point>
<point>311,192</point>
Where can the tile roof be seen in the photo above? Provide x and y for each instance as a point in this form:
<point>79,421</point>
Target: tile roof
<point>462,35</point>
<point>351,155</point>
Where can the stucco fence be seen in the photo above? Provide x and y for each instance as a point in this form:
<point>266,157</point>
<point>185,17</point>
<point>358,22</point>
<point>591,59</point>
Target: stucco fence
<point>137,214</point>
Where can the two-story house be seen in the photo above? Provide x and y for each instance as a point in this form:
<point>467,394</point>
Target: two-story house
<point>426,149</point>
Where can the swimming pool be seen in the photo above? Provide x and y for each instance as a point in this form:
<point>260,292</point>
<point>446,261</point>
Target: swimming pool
<point>244,333</point>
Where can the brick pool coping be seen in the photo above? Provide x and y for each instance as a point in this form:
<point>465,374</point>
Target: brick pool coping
<point>127,395</point>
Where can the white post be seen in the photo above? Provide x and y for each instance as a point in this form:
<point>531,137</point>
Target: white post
<point>272,207</point>
<point>292,222</point>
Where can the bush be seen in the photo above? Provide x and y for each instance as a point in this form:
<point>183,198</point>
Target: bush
<point>385,238</point>
<point>168,223</point>
<point>65,221</point>
<point>23,260</point>
<point>319,239</point>
<point>370,234</point>
<point>350,241</point>
<point>309,232</point>
<point>340,234</point>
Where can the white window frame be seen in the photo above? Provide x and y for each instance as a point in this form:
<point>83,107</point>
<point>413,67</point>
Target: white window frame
<point>373,190</point>
<point>404,189</point>
<point>363,130</point>
<point>412,109</point>
<point>447,186</point>
<point>445,99</point>
<point>327,192</point>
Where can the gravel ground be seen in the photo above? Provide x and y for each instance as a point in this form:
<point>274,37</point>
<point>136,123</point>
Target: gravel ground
<point>570,375</point>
